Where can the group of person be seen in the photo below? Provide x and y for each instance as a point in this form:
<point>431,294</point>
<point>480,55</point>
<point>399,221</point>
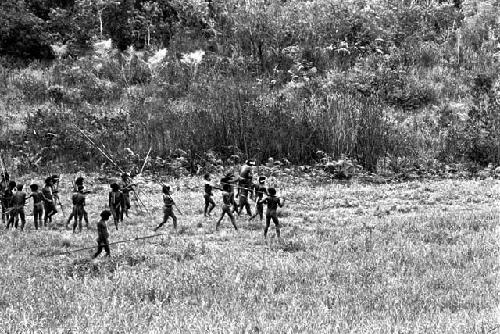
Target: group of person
<point>236,191</point>
<point>13,198</point>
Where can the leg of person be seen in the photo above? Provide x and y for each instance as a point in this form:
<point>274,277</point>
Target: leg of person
<point>35,217</point>
<point>75,223</point>
<point>277,224</point>
<point>233,220</point>
<point>10,220</point>
<point>86,218</point>
<point>248,208</point>
<point>106,249</point>
<point>3,213</point>
<point>224,211</point>
<point>212,205</point>
<point>268,222</point>
<point>71,215</point>
<point>80,219</point>
<point>99,250</point>
<point>207,203</point>
<point>22,215</point>
<point>174,219</point>
<point>165,218</point>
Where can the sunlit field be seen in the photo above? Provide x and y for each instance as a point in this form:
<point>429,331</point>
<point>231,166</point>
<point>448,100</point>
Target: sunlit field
<point>418,257</point>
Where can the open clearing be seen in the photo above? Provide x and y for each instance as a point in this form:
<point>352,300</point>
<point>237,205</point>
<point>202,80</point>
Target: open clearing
<point>417,257</point>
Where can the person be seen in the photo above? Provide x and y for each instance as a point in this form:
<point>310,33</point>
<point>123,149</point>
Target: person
<point>38,200</point>
<point>230,180</point>
<point>272,202</point>
<point>260,190</point>
<point>78,200</point>
<point>127,187</point>
<point>49,202</point>
<point>115,203</point>
<point>4,185</point>
<point>103,234</point>
<point>243,199</point>
<point>17,208</point>
<point>227,203</point>
<point>168,204</point>
<point>209,201</point>
<point>79,182</point>
<point>7,194</point>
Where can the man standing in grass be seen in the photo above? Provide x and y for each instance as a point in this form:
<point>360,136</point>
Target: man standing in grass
<point>229,180</point>
<point>103,234</point>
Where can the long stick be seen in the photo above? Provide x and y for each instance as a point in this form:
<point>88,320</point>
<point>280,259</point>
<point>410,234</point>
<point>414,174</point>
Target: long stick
<point>100,150</point>
<point>112,243</point>
<point>1,162</point>
<point>145,160</point>
<point>111,160</point>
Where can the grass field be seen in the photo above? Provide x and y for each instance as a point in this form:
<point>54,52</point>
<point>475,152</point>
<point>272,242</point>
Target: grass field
<point>418,257</point>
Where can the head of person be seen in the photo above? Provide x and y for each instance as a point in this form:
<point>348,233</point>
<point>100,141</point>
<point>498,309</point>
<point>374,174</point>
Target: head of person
<point>79,180</point>
<point>229,175</point>
<point>226,187</point>
<point>5,176</point>
<point>19,186</point>
<point>115,186</point>
<point>250,162</point>
<point>272,192</point>
<point>34,187</point>
<point>80,188</point>
<point>125,176</point>
<point>207,176</point>
<point>105,214</point>
<point>55,178</point>
<point>262,179</point>
<point>12,185</point>
<point>165,189</point>
<point>49,181</point>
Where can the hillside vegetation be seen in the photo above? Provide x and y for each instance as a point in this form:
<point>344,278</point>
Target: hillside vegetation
<point>403,82</point>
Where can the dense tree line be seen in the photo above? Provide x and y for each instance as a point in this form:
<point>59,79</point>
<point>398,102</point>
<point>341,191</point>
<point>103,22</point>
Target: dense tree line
<point>424,73</point>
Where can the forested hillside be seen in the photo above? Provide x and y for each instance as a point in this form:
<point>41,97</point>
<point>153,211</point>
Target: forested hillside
<point>396,82</point>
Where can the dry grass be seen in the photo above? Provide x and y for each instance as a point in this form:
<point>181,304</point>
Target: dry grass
<point>402,258</point>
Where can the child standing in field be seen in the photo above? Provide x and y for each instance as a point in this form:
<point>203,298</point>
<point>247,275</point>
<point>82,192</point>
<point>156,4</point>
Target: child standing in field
<point>38,199</point>
<point>168,210</point>
<point>209,201</point>
<point>260,190</point>
<point>49,203</point>
<point>272,211</point>
<point>103,234</point>
<point>79,208</point>
<point>116,203</point>
<point>227,203</point>
<point>17,208</point>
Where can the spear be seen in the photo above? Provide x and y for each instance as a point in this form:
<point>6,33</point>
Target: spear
<point>99,149</point>
<point>145,160</point>
<point>112,243</point>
